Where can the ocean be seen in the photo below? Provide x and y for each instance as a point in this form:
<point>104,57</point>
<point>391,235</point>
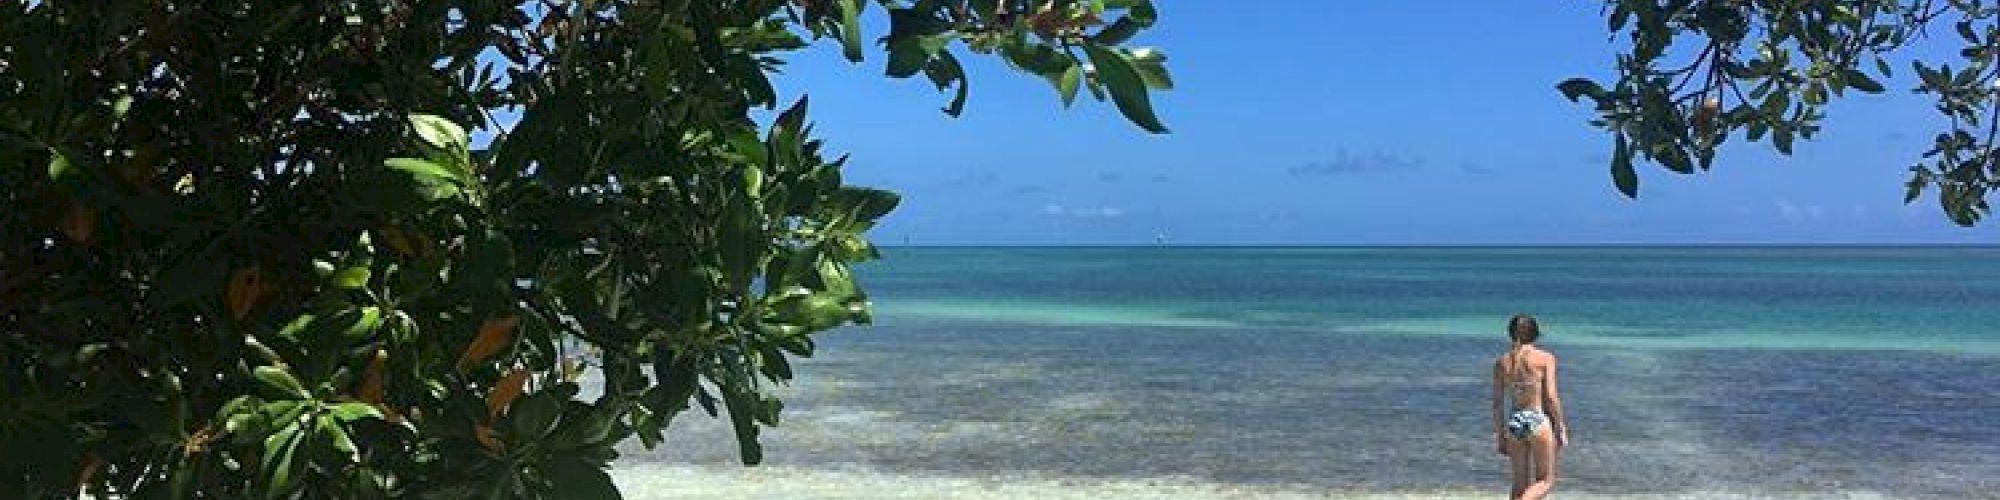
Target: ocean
<point>1302,372</point>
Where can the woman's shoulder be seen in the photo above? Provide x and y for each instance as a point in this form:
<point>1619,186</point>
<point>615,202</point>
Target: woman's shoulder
<point>1543,355</point>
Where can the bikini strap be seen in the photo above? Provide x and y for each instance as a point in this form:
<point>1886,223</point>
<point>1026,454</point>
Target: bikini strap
<point>1520,376</point>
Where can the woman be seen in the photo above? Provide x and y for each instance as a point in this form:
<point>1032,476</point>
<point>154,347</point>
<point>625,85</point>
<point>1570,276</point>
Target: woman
<point>1533,429</point>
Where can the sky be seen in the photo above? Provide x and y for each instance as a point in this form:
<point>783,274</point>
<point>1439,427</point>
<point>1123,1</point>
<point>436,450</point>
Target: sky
<point>1349,123</point>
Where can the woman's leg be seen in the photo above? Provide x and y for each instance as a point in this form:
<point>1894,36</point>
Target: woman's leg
<point>1542,448</point>
<point>1523,466</point>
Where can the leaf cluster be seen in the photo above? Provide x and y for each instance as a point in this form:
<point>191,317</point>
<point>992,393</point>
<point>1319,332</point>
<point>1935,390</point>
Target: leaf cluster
<point>1696,73</point>
<point>291,249</point>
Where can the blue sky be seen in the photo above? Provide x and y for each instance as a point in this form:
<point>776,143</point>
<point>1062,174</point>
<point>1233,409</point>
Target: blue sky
<point>1317,122</point>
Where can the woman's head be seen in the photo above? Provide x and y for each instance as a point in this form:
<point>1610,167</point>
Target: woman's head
<point>1522,328</point>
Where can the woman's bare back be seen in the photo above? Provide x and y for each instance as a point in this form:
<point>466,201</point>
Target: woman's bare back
<point>1524,372</point>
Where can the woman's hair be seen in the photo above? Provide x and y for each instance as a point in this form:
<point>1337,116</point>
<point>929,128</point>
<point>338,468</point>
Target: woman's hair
<point>1522,328</point>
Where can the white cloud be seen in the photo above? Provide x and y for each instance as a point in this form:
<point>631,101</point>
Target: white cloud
<point>1106,212</point>
<point>1799,213</point>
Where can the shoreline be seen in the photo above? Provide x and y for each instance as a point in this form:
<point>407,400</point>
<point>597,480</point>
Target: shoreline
<point>649,481</point>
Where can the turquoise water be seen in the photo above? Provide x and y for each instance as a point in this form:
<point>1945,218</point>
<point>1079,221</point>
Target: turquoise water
<point>1696,372</point>
<point>1933,299</point>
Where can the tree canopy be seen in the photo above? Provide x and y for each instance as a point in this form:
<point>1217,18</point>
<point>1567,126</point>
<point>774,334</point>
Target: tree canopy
<point>1698,72</point>
<point>254,250</point>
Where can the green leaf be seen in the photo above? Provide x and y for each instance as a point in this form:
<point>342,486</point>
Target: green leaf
<point>1140,12</point>
<point>285,412</point>
<point>337,437</point>
<point>575,479</point>
<point>743,418</point>
<point>864,204</point>
<point>351,278</point>
<point>120,107</point>
<point>60,168</point>
<point>1068,83</point>
<point>280,380</point>
<point>1622,174</point>
<point>1675,159</point>
<point>423,169</point>
<point>1932,79</point>
<point>439,132</point>
<point>349,412</point>
<point>753,181</point>
<point>279,449</point>
<point>361,323</point>
<point>1035,58</point>
<point>1127,88</point>
<point>298,327</point>
<point>1152,68</point>
<point>1861,81</point>
<point>944,72</point>
<point>677,377</point>
<point>1118,32</point>
<point>773,363</point>
<point>533,415</point>
<point>180,485</point>
<point>1575,88</point>
<point>908,55</point>
<point>850,28</point>
<point>583,425</point>
<point>1774,107</point>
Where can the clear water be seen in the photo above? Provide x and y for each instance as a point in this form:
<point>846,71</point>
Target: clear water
<point>1267,372</point>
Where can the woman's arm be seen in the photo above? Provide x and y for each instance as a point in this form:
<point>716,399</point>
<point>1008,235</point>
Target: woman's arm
<point>1499,423</point>
<point>1554,401</point>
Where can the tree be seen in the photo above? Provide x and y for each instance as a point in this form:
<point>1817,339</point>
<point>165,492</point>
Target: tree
<point>1699,71</point>
<point>249,249</point>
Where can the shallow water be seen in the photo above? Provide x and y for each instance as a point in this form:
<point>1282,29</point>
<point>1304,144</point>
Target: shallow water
<point>1292,373</point>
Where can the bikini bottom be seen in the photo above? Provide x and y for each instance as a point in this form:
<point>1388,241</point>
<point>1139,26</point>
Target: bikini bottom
<point>1524,423</point>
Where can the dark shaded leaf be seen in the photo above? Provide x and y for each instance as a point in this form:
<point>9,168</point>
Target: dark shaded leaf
<point>742,417</point>
<point>1622,174</point>
<point>1861,81</point>
<point>944,72</point>
<point>575,479</point>
<point>1576,88</point>
<point>1127,88</point>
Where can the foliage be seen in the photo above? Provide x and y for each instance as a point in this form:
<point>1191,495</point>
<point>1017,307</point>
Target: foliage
<point>249,249</point>
<point>1768,68</point>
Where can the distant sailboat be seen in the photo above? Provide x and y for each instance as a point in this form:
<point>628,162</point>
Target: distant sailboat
<point>1160,238</point>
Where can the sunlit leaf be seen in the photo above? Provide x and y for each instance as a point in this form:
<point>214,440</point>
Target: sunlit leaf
<point>439,132</point>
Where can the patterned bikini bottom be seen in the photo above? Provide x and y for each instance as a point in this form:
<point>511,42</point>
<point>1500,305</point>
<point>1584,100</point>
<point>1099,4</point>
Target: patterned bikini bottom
<point>1524,423</point>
